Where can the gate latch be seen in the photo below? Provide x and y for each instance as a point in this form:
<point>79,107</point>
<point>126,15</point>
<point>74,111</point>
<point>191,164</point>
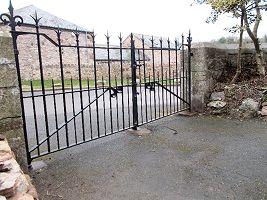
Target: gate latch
<point>115,91</point>
<point>150,85</point>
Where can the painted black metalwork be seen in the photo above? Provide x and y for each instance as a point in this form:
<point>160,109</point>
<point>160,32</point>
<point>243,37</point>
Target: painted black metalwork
<point>73,111</point>
<point>122,83</point>
<point>13,21</point>
<point>39,50</point>
<point>90,109</point>
<point>35,119</point>
<point>145,78</point>
<point>189,41</point>
<point>153,77</point>
<point>162,75</point>
<point>56,114</point>
<point>134,85</point>
<point>169,77</point>
<point>76,33</point>
<point>104,106</point>
<point>95,84</point>
<point>58,32</point>
<point>148,80</point>
<point>140,84</point>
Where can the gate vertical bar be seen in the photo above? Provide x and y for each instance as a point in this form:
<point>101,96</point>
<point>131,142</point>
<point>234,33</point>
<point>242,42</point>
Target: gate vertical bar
<point>13,22</point>
<point>144,58</point>
<point>39,51</point>
<point>122,84</point>
<point>60,52</point>
<point>183,72</point>
<point>162,77</point>
<point>95,81</point>
<point>35,119</point>
<point>109,83</point>
<point>76,33</point>
<point>189,41</point>
<point>134,85</point>
<point>153,72</point>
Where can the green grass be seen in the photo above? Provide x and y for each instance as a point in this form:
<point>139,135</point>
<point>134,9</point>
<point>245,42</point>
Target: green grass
<point>26,84</point>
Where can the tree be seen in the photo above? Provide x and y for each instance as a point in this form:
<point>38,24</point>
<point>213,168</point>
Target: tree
<point>250,12</point>
<point>239,64</point>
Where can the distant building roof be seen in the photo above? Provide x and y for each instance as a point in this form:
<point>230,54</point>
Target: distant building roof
<point>48,20</point>
<point>147,41</point>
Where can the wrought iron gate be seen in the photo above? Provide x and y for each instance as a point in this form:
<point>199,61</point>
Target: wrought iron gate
<point>106,89</point>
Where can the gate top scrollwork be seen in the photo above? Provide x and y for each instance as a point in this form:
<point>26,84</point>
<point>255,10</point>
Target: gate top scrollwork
<point>10,19</point>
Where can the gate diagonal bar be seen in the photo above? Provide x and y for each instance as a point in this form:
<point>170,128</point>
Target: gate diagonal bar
<point>74,90</point>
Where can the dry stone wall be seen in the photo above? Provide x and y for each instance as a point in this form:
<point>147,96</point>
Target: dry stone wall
<point>15,185</point>
<point>215,63</point>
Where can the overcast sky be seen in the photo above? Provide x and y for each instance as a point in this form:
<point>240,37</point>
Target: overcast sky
<point>167,18</point>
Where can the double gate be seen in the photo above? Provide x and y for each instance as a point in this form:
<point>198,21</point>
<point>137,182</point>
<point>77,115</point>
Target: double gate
<point>91,91</point>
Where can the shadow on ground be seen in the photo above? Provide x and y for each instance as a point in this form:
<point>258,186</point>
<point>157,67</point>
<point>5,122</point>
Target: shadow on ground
<point>183,158</point>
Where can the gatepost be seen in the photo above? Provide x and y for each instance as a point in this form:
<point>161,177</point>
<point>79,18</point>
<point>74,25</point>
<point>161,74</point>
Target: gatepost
<point>11,125</point>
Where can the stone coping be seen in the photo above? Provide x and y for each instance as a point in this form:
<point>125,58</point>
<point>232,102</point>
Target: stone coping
<point>233,47</point>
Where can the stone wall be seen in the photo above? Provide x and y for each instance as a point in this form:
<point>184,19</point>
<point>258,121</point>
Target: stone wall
<point>31,69</point>
<point>30,66</point>
<point>167,56</point>
<point>216,63</point>
<point>10,110</point>
<point>28,51</point>
<point>248,62</point>
<point>15,184</point>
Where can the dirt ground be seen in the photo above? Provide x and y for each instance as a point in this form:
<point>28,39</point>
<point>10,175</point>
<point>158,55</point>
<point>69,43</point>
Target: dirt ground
<point>236,93</point>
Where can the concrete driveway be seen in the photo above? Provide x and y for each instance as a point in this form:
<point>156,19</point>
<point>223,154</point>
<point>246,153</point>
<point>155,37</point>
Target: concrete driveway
<point>187,158</point>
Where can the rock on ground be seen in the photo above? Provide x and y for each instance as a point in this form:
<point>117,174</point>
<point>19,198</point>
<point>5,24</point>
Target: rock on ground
<point>249,104</point>
<point>263,111</point>
<point>217,96</point>
<point>217,104</point>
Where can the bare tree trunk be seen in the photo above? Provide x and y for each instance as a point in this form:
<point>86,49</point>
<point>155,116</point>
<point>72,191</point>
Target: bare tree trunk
<point>239,64</point>
<point>260,60</point>
<point>254,38</point>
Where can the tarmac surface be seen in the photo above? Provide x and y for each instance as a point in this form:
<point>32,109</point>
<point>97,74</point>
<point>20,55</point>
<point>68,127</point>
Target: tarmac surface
<point>183,158</point>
